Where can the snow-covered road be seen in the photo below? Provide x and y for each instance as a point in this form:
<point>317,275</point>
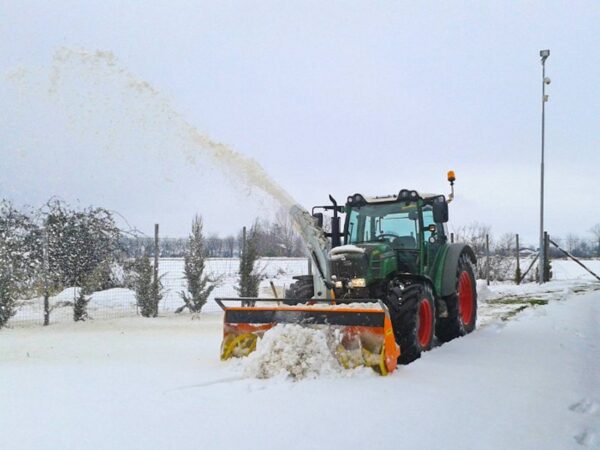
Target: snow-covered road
<point>531,382</point>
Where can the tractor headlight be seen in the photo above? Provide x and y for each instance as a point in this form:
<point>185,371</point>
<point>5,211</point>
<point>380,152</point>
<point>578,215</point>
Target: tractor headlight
<point>358,283</point>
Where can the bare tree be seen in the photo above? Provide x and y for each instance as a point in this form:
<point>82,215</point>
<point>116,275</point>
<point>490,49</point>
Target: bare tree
<point>595,230</point>
<point>505,245</point>
<point>284,233</point>
<point>276,238</point>
<point>572,242</point>
<point>474,235</point>
<point>229,246</point>
<point>213,245</point>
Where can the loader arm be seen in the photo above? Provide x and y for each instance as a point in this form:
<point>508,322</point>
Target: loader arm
<point>318,246</point>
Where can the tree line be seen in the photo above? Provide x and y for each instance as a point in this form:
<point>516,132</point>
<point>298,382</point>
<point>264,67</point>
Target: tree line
<point>45,250</point>
<point>505,244</point>
<point>275,238</point>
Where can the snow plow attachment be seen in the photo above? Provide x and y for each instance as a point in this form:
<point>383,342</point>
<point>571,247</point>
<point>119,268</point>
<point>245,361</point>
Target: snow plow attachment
<point>359,334</point>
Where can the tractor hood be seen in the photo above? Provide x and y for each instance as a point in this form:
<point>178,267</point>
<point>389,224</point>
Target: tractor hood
<point>359,261</point>
<point>376,249</point>
<point>368,249</point>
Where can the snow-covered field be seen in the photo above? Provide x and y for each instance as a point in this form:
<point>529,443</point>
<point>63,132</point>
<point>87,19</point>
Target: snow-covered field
<point>528,377</point>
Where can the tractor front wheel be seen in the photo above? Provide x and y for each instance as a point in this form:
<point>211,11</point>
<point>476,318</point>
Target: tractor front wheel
<point>462,305</point>
<point>299,291</point>
<point>412,312</point>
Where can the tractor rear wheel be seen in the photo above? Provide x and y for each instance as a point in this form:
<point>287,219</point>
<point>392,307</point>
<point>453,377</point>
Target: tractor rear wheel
<point>300,291</point>
<point>412,312</point>
<point>462,305</point>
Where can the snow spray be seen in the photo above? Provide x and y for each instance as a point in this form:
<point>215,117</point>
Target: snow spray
<point>222,156</point>
<point>102,67</point>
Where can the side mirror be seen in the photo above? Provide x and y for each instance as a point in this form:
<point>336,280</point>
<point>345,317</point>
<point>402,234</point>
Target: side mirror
<point>440,210</point>
<point>318,217</point>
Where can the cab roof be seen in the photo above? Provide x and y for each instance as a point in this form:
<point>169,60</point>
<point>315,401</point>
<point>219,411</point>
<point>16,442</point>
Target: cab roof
<point>394,197</point>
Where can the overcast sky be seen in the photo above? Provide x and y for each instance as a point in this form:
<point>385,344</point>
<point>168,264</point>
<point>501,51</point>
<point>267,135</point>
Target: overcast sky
<point>329,97</point>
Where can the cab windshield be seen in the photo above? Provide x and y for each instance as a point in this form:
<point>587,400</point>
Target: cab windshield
<point>394,223</point>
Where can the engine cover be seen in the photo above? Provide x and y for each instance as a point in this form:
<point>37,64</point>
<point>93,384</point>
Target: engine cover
<point>350,265</point>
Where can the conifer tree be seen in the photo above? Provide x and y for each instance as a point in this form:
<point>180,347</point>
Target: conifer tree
<point>80,305</point>
<point>199,285</point>
<point>148,290</point>
<point>249,276</point>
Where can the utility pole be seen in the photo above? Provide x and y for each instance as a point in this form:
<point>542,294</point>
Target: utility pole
<point>487,259</point>
<point>542,260</point>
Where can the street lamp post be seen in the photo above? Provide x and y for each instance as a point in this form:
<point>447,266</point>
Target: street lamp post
<point>542,264</point>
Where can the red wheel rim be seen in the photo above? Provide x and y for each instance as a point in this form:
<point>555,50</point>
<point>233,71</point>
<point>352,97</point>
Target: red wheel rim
<point>465,298</point>
<point>425,323</point>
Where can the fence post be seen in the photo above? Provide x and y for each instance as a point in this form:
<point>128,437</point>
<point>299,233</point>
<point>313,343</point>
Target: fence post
<point>156,251</point>
<point>487,259</point>
<point>46,269</point>
<point>518,270</point>
<point>546,257</point>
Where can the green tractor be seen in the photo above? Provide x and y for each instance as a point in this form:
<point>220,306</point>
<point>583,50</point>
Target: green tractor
<point>382,288</point>
<point>396,249</point>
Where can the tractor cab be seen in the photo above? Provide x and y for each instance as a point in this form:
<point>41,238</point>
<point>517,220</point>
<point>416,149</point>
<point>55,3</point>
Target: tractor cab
<point>403,225</point>
<point>384,236</point>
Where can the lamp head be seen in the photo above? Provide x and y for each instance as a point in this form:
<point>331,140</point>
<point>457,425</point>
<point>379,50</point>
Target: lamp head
<point>544,55</point>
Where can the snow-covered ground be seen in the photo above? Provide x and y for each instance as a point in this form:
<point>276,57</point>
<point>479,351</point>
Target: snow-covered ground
<point>526,378</point>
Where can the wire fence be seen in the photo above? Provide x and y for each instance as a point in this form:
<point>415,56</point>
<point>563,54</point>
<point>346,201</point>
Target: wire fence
<point>277,275</point>
<point>121,302</point>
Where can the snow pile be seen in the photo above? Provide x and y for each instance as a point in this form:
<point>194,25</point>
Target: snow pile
<point>358,305</point>
<point>328,306</point>
<point>483,291</point>
<point>293,351</point>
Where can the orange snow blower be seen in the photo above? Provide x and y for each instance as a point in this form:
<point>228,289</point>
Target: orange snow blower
<point>358,335</point>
